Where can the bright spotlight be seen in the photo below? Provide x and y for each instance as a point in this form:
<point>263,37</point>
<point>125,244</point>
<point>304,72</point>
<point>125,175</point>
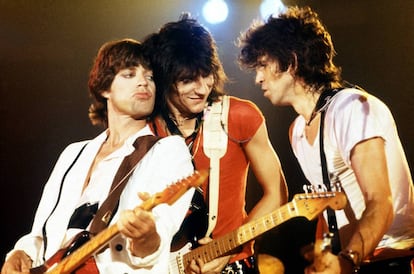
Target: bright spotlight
<point>215,11</point>
<point>270,7</point>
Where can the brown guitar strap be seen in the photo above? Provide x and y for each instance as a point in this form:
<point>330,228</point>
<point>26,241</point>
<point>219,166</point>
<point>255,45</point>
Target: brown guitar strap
<point>108,208</point>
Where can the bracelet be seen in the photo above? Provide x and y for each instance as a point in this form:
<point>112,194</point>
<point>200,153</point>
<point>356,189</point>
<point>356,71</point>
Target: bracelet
<point>353,257</point>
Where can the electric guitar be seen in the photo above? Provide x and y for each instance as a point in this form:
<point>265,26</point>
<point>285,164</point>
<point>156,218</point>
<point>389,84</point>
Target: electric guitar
<point>308,205</point>
<point>79,250</point>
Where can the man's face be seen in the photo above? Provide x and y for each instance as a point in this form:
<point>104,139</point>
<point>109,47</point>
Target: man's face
<point>191,95</point>
<point>276,84</point>
<point>132,93</point>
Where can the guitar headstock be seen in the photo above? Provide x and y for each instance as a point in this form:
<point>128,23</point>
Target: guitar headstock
<point>174,191</point>
<point>312,204</point>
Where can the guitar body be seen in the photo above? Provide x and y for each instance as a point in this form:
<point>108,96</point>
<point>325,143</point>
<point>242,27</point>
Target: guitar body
<point>80,239</point>
<point>177,264</point>
<point>194,226</point>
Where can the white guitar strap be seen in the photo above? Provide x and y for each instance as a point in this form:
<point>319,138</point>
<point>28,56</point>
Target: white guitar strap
<point>215,146</point>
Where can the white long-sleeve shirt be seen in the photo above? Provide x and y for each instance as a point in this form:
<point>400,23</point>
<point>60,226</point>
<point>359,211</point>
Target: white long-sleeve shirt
<point>167,161</point>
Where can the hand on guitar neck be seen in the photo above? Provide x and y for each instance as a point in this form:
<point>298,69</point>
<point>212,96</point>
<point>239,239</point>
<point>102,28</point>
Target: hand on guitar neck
<point>80,250</point>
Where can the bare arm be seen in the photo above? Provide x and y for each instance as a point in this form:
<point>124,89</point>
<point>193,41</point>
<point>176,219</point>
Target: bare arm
<point>370,167</point>
<point>369,164</point>
<point>267,169</point>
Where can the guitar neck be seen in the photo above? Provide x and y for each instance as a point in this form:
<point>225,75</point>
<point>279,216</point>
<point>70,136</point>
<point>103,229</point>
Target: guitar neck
<point>84,252</point>
<point>171,194</point>
<point>308,205</point>
<point>243,234</point>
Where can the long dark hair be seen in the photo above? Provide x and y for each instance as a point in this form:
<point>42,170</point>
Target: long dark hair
<point>295,38</point>
<point>183,50</point>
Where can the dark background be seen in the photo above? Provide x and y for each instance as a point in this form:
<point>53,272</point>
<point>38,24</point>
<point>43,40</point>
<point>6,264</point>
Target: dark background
<point>47,48</point>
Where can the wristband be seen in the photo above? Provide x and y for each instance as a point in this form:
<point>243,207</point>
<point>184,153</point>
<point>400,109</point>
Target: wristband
<point>353,257</point>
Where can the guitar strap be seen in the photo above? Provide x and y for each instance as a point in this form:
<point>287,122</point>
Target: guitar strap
<point>108,208</point>
<point>215,146</point>
<point>325,99</point>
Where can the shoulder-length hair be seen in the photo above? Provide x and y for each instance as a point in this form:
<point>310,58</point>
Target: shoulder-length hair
<point>112,57</point>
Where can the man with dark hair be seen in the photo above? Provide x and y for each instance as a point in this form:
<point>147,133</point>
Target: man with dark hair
<point>224,134</point>
<point>123,92</point>
<point>348,132</point>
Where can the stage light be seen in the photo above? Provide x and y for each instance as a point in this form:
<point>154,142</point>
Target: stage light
<point>270,7</point>
<point>215,11</point>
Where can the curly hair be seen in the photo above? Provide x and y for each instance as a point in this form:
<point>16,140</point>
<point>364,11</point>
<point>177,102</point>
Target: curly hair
<point>112,57</point>
<point>295,38</point>
<point>183,50</point>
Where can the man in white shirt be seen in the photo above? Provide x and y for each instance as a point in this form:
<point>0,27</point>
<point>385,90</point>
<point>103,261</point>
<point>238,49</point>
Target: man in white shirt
<point>292,54</point>
<point>123,92</point>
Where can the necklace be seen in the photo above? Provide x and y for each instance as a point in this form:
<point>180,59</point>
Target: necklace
<point>195,138</point>
<point>172,127</point>
<point>178,122</point>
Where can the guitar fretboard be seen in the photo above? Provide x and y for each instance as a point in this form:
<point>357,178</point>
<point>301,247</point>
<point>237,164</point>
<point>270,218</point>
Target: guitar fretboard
<point>302,205</point>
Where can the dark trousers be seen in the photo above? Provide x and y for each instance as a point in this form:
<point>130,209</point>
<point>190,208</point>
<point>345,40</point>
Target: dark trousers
<point>400,265</point>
